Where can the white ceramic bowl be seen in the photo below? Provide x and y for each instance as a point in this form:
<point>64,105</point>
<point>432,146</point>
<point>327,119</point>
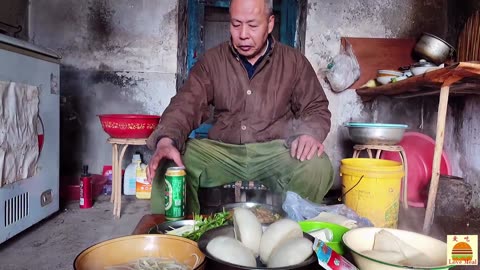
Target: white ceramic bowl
<point>386,72</point>
<point>361,239</point>
<point>385,79</point>
<point>422,70</point>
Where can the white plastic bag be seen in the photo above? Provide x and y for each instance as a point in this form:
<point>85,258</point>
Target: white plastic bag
<point>299,209</point>
<point>344,69</point>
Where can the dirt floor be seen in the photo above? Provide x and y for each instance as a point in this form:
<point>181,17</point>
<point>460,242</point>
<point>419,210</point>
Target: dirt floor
<point>412,220</point>
<point>54,243</point>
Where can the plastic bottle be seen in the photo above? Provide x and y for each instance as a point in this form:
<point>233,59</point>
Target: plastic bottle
<point>144,189</point>
<point>130,176</point>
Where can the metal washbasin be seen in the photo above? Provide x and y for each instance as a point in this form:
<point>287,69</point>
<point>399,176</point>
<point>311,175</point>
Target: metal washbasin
<point>376,133</point>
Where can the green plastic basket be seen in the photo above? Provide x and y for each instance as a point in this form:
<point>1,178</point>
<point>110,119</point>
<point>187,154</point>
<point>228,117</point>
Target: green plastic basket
<point>338,231</point>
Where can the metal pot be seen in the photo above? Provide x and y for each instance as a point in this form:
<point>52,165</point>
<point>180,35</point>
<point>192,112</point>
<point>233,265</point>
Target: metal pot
<point>433,48</point>
<point>215,264</point>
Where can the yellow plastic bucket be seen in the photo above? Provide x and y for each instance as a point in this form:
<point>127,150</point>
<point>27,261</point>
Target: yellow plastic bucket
<point>371,187</point>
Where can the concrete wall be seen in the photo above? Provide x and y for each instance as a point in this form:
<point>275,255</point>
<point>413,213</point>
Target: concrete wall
<point>119,56</point>
<point>458,14</point>
<point>15,13</point>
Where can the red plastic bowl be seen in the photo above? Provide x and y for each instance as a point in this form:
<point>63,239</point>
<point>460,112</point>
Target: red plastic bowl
<point>134,126</point>
<point>419,149</point>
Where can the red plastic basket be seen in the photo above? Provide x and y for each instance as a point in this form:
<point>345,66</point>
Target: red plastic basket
<point>134,126</point>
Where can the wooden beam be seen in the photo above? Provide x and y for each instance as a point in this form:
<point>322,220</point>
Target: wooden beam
<point>440,135</point>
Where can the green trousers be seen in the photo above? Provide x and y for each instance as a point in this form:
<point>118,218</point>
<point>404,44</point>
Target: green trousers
<point>210,164</point>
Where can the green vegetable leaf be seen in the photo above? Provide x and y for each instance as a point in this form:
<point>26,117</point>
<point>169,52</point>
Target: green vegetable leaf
<point>204,224</point>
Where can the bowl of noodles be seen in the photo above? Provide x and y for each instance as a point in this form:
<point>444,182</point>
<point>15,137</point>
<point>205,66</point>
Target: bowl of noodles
<point>142,252</point>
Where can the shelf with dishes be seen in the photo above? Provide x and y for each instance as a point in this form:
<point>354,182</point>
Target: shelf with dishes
<point>463,78</point>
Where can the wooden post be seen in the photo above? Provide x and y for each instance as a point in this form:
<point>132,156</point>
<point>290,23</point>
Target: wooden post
<point>114,177</point>
<point>432,194</point>
<point>114,157</point>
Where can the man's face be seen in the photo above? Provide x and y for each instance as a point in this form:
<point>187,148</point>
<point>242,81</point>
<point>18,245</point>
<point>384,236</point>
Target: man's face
<point>250,25</point>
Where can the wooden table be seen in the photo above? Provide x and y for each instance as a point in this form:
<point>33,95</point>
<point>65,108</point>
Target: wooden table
<point>119,146</point>
<point>147,222</point>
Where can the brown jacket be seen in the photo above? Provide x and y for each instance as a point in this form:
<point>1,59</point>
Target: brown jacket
<point>283,99</point>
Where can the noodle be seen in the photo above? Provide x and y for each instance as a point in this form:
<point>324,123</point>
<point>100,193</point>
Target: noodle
<point>153,264</point>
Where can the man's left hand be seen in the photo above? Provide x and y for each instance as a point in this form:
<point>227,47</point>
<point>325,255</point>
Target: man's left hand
<point>304,147</point>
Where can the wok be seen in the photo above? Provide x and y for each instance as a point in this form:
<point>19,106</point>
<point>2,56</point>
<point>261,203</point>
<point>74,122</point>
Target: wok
<point>214,263</point>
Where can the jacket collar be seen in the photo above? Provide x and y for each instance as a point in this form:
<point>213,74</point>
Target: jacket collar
<point>235,53</point>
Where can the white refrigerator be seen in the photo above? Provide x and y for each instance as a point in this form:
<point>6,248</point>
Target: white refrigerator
<point>24,203</point>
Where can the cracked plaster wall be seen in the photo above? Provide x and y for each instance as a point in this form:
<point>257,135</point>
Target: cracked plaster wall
<point>464,126</point>
<point>119,56</point>
<point>329,20</point>
<point>14,13</point>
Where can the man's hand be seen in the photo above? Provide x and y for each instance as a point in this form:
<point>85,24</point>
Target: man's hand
<point>304,147</point>
<point>165,150</point>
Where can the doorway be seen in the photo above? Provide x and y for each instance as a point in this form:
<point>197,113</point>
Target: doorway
<point>209,23</point>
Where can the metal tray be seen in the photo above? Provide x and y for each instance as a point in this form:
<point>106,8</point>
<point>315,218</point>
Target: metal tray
<point>214,263</point>
<point>162,228</point>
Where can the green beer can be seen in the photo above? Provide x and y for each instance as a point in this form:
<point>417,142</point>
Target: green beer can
<point>175,192</point>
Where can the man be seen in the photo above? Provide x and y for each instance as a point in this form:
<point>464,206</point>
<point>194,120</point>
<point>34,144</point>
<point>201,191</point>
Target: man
<point>271,116</point>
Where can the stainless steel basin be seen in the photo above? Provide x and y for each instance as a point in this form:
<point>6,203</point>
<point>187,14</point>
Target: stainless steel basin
<point>376,133</point>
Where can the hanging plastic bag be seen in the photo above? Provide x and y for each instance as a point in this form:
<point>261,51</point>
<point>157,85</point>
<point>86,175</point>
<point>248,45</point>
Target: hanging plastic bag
<point>344,69</point>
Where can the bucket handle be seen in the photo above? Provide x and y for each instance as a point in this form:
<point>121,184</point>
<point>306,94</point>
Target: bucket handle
<point>343,195</point>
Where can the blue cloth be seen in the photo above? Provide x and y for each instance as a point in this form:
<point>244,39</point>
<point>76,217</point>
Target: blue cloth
<point>201,131</point>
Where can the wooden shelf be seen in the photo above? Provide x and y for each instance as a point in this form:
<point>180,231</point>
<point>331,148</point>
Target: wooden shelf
<point>463,78</point>
<point>379,53</point>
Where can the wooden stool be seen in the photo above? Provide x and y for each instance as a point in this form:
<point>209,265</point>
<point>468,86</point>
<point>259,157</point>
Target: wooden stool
<point>391,148</point>
<point>119,146</point>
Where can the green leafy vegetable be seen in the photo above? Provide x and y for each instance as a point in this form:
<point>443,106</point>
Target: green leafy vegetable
<point>203,224</point>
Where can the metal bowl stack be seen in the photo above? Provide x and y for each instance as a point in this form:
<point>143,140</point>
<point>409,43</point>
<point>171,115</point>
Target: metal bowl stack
<point>376,133</point>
